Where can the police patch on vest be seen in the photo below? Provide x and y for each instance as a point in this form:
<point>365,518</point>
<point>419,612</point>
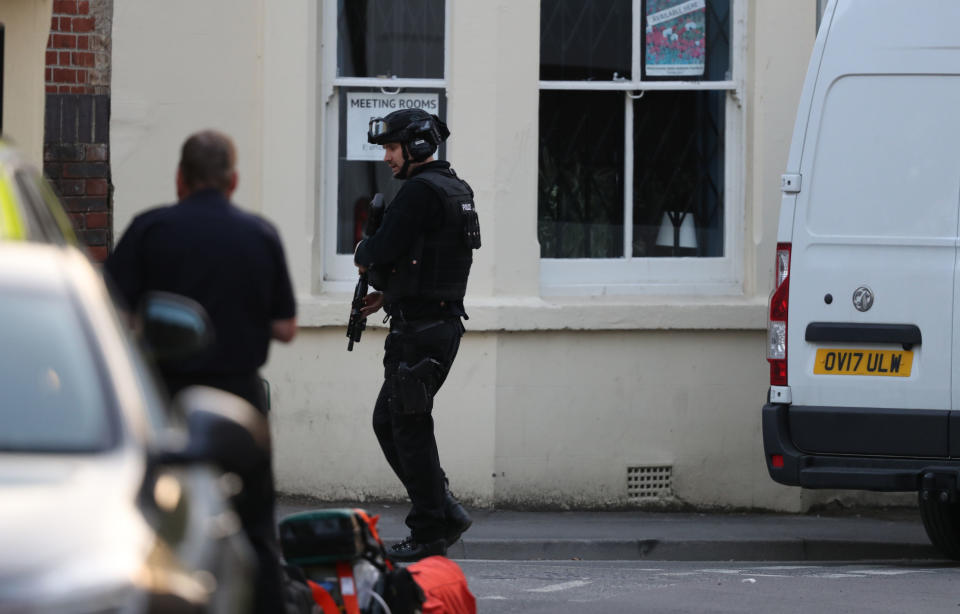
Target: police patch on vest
<point>471,226</point>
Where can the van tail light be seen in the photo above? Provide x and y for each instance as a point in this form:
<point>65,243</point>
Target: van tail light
<point>777,325</point>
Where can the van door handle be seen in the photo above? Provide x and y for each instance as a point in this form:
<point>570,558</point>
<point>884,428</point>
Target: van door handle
<point>853,332</point>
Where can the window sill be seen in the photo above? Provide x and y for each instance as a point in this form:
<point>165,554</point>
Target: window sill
<point>514,313</point>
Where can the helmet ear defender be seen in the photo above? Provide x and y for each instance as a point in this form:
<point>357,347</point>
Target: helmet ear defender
<point>423,140</point>
<point>419,132</point>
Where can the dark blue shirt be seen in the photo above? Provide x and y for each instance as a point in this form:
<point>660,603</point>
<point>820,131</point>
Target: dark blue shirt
<point>228,260</point>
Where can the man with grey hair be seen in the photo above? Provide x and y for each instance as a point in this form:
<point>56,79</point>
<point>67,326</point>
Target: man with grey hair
<point>232,263</point>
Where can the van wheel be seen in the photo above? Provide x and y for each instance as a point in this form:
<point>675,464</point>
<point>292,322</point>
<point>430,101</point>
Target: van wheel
<point>942,522</point>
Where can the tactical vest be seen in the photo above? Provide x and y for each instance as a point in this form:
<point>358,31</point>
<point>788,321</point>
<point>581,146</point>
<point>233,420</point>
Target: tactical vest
<point>439,264</point>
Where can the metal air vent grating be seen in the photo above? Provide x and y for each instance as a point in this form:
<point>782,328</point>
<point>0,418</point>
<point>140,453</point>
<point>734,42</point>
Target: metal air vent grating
<point>647,483</point>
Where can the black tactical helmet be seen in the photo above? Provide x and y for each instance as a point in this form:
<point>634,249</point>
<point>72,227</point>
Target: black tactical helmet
<point>419,132</point>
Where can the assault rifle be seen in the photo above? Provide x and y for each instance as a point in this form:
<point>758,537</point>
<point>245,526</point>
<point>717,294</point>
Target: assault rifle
<point>358,322</point>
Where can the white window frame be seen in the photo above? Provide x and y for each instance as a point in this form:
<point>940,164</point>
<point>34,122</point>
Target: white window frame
<point>339,272</point>
<point>644,275</point>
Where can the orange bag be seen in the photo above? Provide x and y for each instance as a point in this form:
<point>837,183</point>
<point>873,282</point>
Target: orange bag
<point>444,586</point>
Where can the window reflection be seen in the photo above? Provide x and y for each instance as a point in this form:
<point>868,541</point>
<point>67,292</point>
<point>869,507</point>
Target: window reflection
<point>676,189</point>
<point>384,38</point>
<point>581,174</point>
<point>585,40</point>
<point>678,170</point>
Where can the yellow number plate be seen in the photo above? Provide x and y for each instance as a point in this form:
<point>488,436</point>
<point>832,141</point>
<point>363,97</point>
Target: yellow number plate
<point>888,363</point>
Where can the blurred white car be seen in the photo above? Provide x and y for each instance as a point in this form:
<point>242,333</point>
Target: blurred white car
<point>112,501</point>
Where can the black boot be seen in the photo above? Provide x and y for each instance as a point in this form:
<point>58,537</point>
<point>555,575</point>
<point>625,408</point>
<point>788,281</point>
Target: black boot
<point>410,550</point>
<point>457,519</point>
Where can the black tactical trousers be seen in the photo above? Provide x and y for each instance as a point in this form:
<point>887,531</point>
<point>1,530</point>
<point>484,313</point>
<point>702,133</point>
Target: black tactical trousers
<point>416,361</point>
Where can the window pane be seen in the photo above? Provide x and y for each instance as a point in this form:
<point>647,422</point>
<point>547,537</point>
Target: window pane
<point>585,39</point>
<point>52,395</point>
<point>384,38</point>
<point>580,199</point>
<point>718,40</point>
<point>361,174</point>
<point>359,181</point>
<point>678,173</point>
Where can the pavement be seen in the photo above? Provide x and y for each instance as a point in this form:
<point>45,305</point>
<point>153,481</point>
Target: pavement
<point>845,535</point>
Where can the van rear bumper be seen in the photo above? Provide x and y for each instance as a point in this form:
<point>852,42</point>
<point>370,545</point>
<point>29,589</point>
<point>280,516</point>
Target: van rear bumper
<point>860,472</point>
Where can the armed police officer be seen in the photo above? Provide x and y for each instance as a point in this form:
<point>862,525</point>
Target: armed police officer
<point>419,259</point>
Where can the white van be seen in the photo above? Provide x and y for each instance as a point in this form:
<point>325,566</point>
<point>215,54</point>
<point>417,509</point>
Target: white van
<point>864,323</point>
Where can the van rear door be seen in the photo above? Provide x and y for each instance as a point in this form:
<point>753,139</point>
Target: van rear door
<point>875,236</point>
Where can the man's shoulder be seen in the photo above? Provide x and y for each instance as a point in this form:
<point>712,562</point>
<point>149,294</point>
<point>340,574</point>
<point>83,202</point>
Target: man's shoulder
<point>218,205</point>
<point>150,216</point>
<point>255,221</point>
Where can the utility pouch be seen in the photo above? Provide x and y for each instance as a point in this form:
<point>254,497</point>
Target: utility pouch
<point>403,278</point>
<point>410,387</point>
<point>471,225</point>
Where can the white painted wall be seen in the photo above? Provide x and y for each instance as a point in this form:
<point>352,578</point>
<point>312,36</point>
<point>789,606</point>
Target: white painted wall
<point>324,397</point>
<point>27,27</point>
<point>575,409</point>
<point>178,67</point>
<point>551,398</point>
<point>289,140</point>
<point>494,98</point>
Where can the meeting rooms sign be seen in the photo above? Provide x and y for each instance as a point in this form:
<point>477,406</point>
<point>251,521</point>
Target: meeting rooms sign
<point>364,106</point>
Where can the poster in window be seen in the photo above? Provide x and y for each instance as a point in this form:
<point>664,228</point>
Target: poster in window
<point>675,38</point>
<point>364,106</point>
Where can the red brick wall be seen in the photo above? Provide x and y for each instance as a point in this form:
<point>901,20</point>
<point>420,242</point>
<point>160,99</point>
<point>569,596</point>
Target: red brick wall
<point>78,50</point>
<point>77,119</point>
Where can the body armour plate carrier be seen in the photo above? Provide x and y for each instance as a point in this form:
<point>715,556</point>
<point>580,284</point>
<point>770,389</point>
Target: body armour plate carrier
<point>440,261</point>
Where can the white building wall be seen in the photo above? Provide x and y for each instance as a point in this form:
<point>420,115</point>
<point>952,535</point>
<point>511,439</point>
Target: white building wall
<point>576,409</point>
<point>550,399</point>
<point>324,441</point>
<point>178,67</point>
<point>26,29</point>
<point>493,102</point>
